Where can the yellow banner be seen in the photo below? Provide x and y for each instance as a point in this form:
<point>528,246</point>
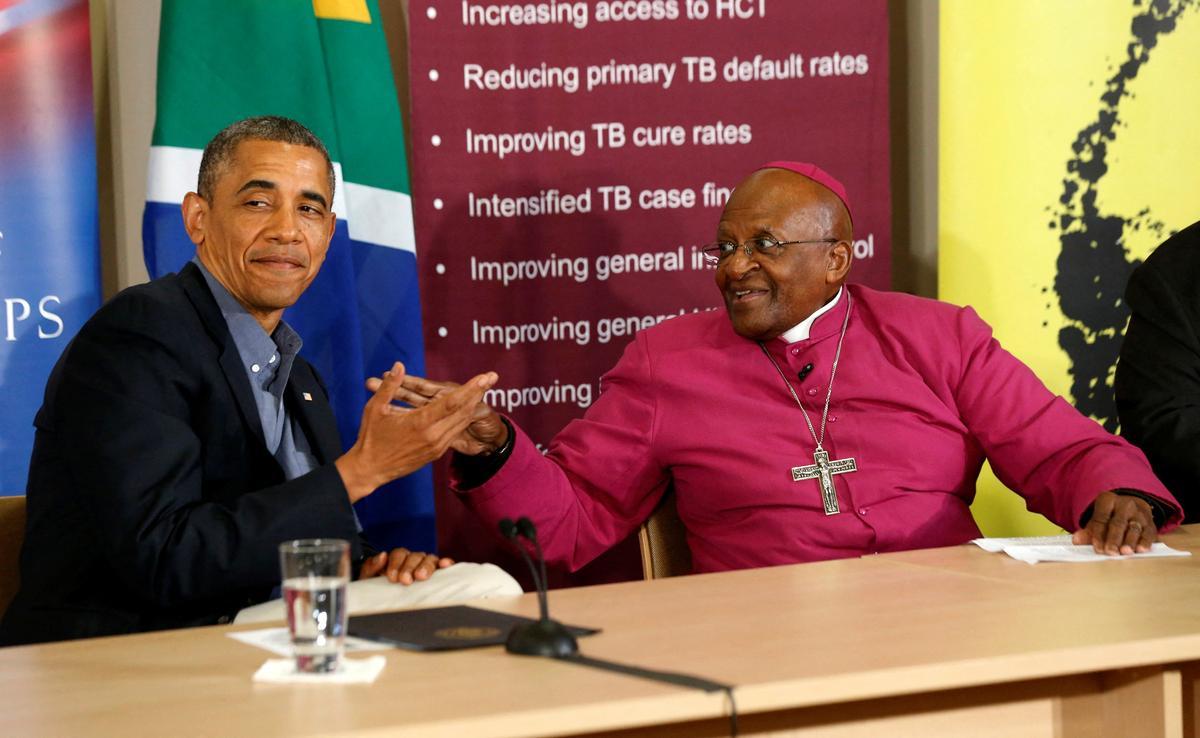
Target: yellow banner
<point>1067,152</point>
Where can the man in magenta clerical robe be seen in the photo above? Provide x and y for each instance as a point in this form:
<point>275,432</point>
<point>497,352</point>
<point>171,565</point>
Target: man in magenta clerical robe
<point>811,420</point>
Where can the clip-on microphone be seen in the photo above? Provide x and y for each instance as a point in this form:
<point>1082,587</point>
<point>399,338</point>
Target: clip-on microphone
<point>544,637</point>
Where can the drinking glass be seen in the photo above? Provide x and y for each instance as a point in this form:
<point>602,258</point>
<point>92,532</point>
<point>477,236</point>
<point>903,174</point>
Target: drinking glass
<point>315,574</point>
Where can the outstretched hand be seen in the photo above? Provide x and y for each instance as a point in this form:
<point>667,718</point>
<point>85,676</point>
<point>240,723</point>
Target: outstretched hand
<point>394,441</point>
<point>486,431</point>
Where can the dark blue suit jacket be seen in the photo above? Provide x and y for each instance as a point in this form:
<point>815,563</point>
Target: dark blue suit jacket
<point>153,501</point>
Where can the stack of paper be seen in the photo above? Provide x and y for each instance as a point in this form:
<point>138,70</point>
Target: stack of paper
<point>1059,548</point>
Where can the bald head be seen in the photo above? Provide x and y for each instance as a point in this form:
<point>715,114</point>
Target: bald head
<point>786,188</point>
<point>767,293</point>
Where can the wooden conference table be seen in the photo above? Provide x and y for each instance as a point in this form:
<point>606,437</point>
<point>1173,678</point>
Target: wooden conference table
<point>951,641</point>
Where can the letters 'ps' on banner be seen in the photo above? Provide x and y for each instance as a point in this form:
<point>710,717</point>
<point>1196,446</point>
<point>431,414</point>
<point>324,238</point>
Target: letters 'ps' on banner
<point>49,237</point>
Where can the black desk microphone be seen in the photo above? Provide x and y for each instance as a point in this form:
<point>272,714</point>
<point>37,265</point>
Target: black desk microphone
<point>545,637</point>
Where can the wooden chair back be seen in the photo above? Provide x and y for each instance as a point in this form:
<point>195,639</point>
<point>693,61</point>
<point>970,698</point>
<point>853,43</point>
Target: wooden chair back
<point>12,534</point>
<point>663,540</point>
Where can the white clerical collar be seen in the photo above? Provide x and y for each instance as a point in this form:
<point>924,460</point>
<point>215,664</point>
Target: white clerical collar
<point>799,332</point>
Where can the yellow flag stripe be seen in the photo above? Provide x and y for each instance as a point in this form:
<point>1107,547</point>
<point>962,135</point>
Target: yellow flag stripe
<point>347,10</point>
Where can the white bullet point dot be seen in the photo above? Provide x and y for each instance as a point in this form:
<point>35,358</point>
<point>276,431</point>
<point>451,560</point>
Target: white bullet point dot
<point>436,140</point>
<point>440,269</point>
<point>431,13</point>
<point>437,203</point>
<point>443,332</point>
<point>433,75</point>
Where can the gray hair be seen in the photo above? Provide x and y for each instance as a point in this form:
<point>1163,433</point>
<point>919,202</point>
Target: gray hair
<point>219,151</point>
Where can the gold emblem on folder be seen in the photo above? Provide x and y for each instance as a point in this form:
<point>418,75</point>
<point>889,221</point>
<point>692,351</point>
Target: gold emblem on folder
<point>467,633</point>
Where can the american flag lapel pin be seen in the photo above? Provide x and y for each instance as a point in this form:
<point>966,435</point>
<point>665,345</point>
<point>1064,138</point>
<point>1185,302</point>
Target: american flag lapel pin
<point>306,396</point>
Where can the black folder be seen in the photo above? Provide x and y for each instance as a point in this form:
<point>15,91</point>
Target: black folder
<point>442,628</point>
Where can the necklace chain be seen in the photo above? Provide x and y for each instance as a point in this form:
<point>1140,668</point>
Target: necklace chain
<point>832,374</point>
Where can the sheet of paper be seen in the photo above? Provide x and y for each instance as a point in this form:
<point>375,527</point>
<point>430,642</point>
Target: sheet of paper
<point>996,545</point>
<point>1036,549</point>
<point>277,641</point>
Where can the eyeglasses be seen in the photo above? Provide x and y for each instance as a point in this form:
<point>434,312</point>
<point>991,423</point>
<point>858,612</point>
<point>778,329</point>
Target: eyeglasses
<point>715,253</point>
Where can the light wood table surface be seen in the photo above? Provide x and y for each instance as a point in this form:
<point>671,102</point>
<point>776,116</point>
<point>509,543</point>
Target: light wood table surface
<point>951,641</point>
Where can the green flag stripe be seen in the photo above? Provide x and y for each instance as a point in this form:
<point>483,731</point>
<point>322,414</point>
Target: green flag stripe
<point>364,93</point>
<point>222,60</point>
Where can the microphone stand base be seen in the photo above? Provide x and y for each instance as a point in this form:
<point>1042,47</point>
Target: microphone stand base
<point>542,638</point>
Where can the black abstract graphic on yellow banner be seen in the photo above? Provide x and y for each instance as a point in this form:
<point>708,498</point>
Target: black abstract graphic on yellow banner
<point>1067,152</point>
<point>1094,265</point>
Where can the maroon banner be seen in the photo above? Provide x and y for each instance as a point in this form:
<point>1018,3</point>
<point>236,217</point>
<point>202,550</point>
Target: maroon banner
<point>571,158</point>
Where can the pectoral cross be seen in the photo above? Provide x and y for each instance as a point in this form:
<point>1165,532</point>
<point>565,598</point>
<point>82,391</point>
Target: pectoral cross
<point>823,471</point>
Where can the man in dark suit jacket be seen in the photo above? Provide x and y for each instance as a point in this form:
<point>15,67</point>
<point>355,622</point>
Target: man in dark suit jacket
<point>1158,375</point>
<point>163,476</point>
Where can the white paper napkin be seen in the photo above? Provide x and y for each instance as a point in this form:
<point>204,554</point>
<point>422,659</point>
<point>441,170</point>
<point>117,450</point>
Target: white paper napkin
<point>353,671</point>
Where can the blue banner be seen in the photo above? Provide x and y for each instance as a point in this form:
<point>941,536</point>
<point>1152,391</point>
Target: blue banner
<point>49,239</point>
